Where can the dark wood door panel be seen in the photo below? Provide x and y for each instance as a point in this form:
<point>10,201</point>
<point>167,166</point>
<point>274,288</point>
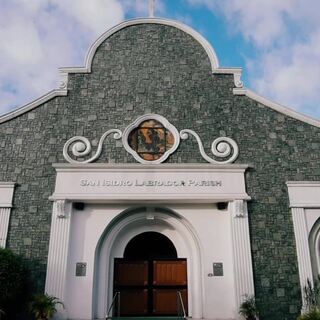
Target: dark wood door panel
<point>134,302</point>
<point>170,273</point>
<point>130,273</point>
<point>150,287</point>
<point>165,301</point>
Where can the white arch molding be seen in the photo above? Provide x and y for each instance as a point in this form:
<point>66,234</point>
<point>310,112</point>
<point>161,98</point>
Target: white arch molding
<point>317,252</point>
<point>314,248</point>
<point>129,224</point>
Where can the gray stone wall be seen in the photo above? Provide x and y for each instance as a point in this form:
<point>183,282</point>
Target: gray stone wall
<point>159,69</point>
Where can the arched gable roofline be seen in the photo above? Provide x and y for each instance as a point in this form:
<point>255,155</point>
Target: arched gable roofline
<point>237,72</point>
<point>197,36</point>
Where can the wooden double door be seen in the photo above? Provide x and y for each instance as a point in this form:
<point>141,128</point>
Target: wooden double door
<point>149,287</point>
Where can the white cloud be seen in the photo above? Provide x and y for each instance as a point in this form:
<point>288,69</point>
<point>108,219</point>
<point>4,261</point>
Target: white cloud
<point>286,35</point>
<point>39,36</point>
<point>258,21</point>
<point>96,15</point>
<point>27,38</point>
<point>141,7</point>
<point>296,81</point>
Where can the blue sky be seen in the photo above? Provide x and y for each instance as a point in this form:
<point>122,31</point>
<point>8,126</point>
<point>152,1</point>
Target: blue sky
<point>276,42</point>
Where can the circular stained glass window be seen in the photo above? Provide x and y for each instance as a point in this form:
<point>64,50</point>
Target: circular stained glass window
<point>150,140</point>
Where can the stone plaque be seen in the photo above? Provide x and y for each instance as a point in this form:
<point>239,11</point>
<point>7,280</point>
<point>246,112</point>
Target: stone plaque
<point>218,269</point>
<point>81,269</point>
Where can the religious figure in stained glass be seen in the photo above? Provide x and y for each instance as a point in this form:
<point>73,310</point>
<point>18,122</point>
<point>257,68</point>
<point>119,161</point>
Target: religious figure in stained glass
<point>151,140</point>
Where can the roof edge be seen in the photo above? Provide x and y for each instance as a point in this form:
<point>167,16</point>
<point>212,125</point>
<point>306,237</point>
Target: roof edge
<point>236,72</point>
<point>32,105</point>
<point>276,106</point>
<point>193,33</point>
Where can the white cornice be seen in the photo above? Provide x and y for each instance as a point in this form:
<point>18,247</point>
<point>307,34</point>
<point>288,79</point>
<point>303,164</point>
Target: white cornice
<point>140,183</point>
<point>137,198</point>
<point>7,184</point>
<point>138,167</point>
<point>237,73</point>
<point>304,194</point>
<point>276,106</point>
<point>6,194</point>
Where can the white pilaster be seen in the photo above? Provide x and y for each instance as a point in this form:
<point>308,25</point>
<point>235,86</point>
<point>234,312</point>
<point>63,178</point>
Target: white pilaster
<point>58,252</point>
<point>4,224</point>
<point>302,245</point>
<point>241,250</point>
<point>6,196</point>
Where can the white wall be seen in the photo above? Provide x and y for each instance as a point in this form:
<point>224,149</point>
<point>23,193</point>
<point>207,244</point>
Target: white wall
<point>213,229</point>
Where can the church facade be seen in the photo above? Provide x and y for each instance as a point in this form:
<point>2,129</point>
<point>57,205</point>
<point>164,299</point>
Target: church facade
<point>153,175</point>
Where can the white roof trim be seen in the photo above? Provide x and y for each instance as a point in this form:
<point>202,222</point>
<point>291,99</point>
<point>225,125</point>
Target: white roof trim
<point>197,36</point>
<point>276,106</point>
<point>238,90</point>
<point>303,184</point>
<point>32,105</point>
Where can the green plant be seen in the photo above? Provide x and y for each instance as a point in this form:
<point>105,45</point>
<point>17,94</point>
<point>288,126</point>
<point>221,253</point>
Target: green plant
<point>43,306</point>
<point>312,314</point>
<point>13,283</point>
<point>248,308</point>
<point>312,294</point>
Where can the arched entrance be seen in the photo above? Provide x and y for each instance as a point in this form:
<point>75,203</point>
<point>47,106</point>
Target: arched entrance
<point>150,276</point>
<point>120,241</point>
<point>150,245</point>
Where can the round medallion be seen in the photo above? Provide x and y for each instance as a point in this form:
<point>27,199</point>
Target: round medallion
<point>151,139</point>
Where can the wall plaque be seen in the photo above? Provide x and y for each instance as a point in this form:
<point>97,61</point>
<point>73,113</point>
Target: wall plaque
<point>81,269</point>
<point>217,269</point>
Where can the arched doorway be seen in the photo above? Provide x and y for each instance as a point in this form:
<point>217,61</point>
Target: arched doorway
<point>123,229</point>
<point>148,245</point>
<point>150,277</point>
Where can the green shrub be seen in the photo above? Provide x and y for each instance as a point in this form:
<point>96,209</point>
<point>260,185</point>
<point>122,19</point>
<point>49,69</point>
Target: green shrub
<point>248,308</point>
<point>313,314</point>
<point>43,306</point>
<point>311,293</point>
<point>13,283</point>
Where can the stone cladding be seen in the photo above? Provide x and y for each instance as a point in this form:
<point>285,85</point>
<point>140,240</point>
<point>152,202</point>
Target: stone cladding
<point>159,69</point>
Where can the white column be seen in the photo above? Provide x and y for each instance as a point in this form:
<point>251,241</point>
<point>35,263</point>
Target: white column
<point>58,253</point>
<point>302,245</point>
<point>241,250</point>
<point>4,225</point>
